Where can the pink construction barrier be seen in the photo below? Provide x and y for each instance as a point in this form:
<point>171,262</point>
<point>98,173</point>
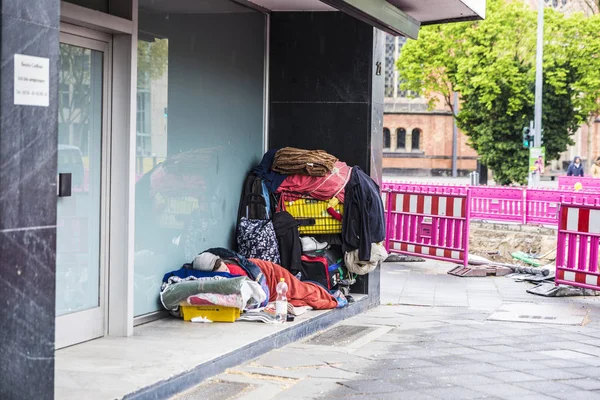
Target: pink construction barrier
<point>497,203</point>
<point>587,183</point>
<point>543,204</point>
<point>577,246</point>
<point>429,224</point>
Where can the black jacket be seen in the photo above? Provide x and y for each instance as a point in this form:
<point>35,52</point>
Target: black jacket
<point>363,222</point>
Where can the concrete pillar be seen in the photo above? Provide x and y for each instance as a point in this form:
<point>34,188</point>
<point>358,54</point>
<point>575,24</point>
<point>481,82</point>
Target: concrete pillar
<point>327,92</point>
<point>409,139</point>
<point>28,147</point>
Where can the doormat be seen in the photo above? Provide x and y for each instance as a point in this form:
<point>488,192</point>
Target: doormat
<point>215,390</point>
<point>557,314</point>
<point>340,335</point>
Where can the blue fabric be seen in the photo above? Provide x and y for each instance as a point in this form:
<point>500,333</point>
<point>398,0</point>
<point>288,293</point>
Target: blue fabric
<point>575,171</point>
<point>185,272</point>
<point>272,179</point>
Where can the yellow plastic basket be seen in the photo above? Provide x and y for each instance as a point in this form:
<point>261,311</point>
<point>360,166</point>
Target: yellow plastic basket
<point>213,313</point>
<point>310,209</point>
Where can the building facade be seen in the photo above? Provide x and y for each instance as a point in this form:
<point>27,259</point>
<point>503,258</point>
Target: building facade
<point>127,128</point>
<point>418,141</point>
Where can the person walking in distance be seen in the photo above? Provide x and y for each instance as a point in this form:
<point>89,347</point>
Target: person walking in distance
<point>596,168</point>
<point>576,168</point>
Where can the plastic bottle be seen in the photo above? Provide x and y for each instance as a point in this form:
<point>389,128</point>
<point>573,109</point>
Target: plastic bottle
<point>281,304</point>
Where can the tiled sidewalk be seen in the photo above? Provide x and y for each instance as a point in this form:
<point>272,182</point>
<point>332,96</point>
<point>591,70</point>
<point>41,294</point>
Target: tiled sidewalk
<point>431,339</point>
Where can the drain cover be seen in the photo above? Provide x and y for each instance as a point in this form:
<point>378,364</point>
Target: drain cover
<point>340,335</point>
<point>215,390</point>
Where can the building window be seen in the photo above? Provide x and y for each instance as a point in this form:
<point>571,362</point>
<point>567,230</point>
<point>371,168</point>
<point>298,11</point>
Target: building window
<point>387,141</point>
<point>416,139</point>
<point>401,138</point>
<point>390,60</point>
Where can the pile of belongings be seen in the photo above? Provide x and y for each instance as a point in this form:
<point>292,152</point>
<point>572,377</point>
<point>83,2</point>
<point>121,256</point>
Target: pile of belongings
<point>313,214</point>
<point>221,277</point>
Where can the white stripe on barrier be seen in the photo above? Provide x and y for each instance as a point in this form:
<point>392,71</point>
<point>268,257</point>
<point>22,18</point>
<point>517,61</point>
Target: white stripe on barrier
<point>439,252</point>
<point>413,203</point>
<point>442,206</point>
<point>396,246</point>
<point>455,255</point>
<point>594,226</point>
<point>457,207</point>
<point>410,248</point>
<point>591,280</point>
<point>399,202</point>
<point>570,276</point>
<point>573,219</point>
<point>427,205</point>
<point>425,250</point>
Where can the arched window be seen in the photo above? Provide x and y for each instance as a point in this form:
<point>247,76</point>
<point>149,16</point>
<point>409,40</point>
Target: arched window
<point>401,139</point>
<point>416,139</point>
<point>387,141</point>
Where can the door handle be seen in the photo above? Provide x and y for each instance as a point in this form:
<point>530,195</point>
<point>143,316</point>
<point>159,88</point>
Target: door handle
<point>64,184</point>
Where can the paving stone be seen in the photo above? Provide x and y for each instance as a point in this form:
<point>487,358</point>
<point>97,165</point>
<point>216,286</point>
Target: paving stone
<point>454,393</point>
<point>372,386</point>
<point>566,354</point>
<point>498,349</point>
<point>468,380</point>
<point>578,395</point>
<point>550,388</point>
<point>558,363</point>
<point>554,374</point>
<point>503,390</point>
<point>514,376</point>
<point>585,383</point>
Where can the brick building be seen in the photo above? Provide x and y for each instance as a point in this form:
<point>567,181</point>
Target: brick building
<point>418,141</point>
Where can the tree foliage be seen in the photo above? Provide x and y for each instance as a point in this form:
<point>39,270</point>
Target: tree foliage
<point>491,63</point>
<point>152,60</point>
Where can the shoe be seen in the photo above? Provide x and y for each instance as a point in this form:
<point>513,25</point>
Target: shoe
<point>311,244</point>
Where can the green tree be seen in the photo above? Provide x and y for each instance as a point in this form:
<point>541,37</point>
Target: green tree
<point>152,60</point>
<point>491,63</point>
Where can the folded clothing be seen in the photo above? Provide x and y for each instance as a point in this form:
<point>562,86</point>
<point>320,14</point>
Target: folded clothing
<point>355,265</point>
<point>290,160</point>
<point>177,291</point>
<point>320,187</point>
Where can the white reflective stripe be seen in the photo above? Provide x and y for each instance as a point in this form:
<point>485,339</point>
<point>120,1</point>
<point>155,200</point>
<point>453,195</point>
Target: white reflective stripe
<point>439,252</point>
<point>572,219</point>
<point>384,199</point>
<point>399,202</point>
<point>570,276</point>
<point>591,280</point>
<point>427,205</point>
<point>424,250</point>
<point>413,203</point>
<point>457,207</point>
<point>396,246</point>
<point>594,221</point>
<point>455,255</point>
<point>442,206</point>
<point>411,248</point>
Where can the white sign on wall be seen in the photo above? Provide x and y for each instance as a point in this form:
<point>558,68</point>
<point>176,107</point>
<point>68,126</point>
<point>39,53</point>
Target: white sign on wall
<point>32,80</point>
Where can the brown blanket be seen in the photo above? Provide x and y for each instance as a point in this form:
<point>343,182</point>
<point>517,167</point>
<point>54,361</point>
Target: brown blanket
<point>299,293</point>
<point>291,161</point>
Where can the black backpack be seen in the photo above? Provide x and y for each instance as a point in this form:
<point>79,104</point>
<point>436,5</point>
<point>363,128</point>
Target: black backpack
<point>255,201</point>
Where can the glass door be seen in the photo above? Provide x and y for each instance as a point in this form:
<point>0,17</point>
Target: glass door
<point>82,182</point>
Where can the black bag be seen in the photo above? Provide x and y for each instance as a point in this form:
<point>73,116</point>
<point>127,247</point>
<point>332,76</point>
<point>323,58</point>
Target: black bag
<point>316,269</point>
<point>256,239</point>
<point>288,238</point>
<point>255,201</point>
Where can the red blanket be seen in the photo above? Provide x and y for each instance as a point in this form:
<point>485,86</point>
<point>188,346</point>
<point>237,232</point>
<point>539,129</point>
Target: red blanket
<point>299,293</point>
